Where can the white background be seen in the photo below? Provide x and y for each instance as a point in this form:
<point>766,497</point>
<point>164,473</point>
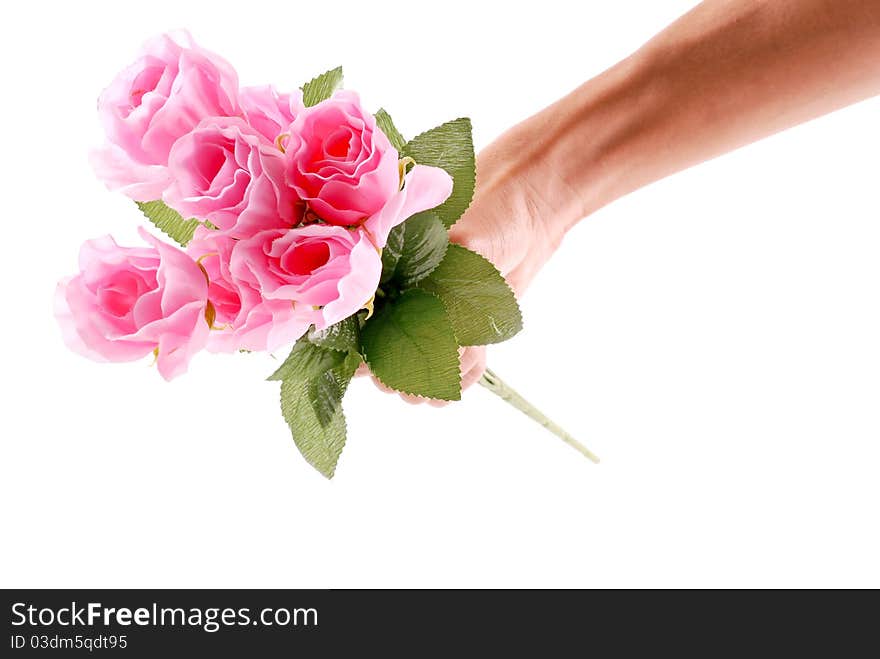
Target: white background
<point>713,337</point>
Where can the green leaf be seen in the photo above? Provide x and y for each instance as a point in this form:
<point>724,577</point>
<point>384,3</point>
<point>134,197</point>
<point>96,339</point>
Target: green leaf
<point>451,147</point>
<point>391,252</point>
<point>383,119</point>
<point>424,244</point>
<point>410,346</point>
<point>311,404</point>
<point>480,304</point>
<point>169,221</point>
<point>326,390</point>
<point>322,87</point>
<point>307,361</point>
<point>321,444</point>
<point>343,336</point>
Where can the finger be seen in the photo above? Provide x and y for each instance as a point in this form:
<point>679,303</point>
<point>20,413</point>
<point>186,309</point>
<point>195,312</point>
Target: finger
<point>410,399</point>
<point>381,386</point>
<point>475,372</point>
<point>471,356</point>
<point>471,378</point>
<point>519,278</point>
<point>473,363</point>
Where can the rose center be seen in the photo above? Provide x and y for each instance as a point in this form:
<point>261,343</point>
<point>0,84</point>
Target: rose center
<point>226,301</point>
<point>118,295</point>
<point>338,143</point>
<point>305,259</point>
<point>210,160</point>
<point>145,82</point>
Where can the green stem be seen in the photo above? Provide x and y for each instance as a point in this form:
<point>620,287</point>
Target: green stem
<point>498,387</point>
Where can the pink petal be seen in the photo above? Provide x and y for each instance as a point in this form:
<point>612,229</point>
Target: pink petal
<point>133,179</point>
<point>357,287</point>
<point>424,188</point>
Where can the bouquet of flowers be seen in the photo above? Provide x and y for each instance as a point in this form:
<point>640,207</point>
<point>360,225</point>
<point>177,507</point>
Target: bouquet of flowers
<point>302,219</point>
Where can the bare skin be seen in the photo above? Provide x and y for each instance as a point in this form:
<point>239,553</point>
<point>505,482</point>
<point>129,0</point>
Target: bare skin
<point>726,74</point>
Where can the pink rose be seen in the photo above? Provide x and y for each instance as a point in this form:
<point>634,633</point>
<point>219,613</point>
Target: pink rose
<point>127,302</point>
<point>340,162</point>
<point>343,165</point>
<point>167,91</point>
<point>269,112</point>
<point>227,173</point>
<point>244,320</point>
<point>328,272</point>
<point>423,188</point>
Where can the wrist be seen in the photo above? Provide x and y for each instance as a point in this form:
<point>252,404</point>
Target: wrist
<point>588,143</point>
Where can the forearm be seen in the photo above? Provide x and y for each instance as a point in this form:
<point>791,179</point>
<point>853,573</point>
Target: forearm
<point>726,74</point>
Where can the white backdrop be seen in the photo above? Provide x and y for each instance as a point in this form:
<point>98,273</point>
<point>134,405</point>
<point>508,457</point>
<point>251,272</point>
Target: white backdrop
<point>713,337</point>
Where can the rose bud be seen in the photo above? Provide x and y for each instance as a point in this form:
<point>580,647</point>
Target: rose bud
<point>167,91</point>
<point>127,302</point>
<point>326,271</point>
<point>340,162</point>
<point>242,318</point>
<point>228,174</point>
<point>345,168</point>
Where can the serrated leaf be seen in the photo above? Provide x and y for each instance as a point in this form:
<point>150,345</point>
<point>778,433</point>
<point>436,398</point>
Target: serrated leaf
<point>307,361</point>
<point>343,336</point>
<point>391,252</point>
<point>322,87</point>
<point>320,444</point>
<point>410,346</point>
<point>169,221</point>
<point>480,304</point>
<point>450,146</point>
<point>312,407</point>
<point>424,245</point>
<point>326,390</point>
<point>386,125</point>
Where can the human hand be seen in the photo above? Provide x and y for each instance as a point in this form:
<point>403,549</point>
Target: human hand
<point>511,222</point>
<point>690,94</point>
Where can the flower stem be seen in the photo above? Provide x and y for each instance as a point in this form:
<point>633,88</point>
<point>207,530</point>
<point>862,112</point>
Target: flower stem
<point>498,387</point>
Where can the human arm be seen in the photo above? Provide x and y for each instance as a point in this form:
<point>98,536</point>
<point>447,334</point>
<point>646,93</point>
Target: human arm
<point>726,74</point>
